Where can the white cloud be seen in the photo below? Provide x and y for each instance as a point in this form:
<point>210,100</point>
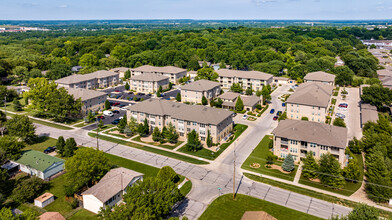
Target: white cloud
<point>63,6</point>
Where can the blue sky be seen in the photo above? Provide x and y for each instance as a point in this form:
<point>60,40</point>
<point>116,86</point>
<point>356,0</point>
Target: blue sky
<point>194,9</point>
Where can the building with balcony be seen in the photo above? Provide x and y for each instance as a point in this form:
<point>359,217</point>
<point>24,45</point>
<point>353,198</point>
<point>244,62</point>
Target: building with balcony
<point>321,77</point>
<point>194,91</point>
<point>174,73</point>
<point>230,98</point>
<point>184,118</point>
<point>148,82</point>
<point>254,79</point>
<point>95,80</point>
<point>93,101</point>
<point>298,138</point>
<point>310,100</point>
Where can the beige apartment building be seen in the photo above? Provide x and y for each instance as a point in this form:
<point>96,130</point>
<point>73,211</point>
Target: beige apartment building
<point>174,73</point>
<point>95,80</point>
<point>121,71</point>
<point>321,77</point>
<point>311,100</point>
<point>194,91</point>
<point>92,100</point>
<point>230,98</point>
<point>148,82</point>
<point>254,79</point>
<point>300,137</point>
<point>184,118</point>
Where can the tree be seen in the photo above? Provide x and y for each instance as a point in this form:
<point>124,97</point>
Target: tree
<point>352,171</point>
<point>160,89</point>
<point>330,171</point>
<point>158,94</point>
<point>360,212</point>
<point>133,125</point>
<point>146,127</point>
<point>28,189</point>
<point>193,143</point>
<point>107,105</point>
<point>236,87</point>
<point>288,163</point>
<point>206,73</point>
<point>339,122</point>
<point>88,60</point>
<point>100,125</point>
<point>355,146</point>
<point>11,147</point>
<point>60,145</point>
<point>167,173</point>
<point>204,100</point>
<point>310,167</point>
<point>126,86</point>
<point>249,91</point>
<point>90,117</point>
<point>170,86</point>
<point>178,97</point>
<point>6,213</point>
<point>156,134</point>
<point>239,105</point>
<point>22,127</point>
<point>209,139</point>
<point>344,76</point>
<point>17,105</point>
<point>266,93</point>
<point>127,75</point>
<point>121,125</point>
<point>305,118</point>
<point>170,134</point>
<point>193,64</point>
<point>377,95</point>
<point>378,186</point>
<point>70,147</point>
<point>85,167</point>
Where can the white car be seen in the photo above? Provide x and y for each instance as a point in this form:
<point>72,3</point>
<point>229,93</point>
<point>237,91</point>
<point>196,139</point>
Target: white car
<point>120,117</point>
<point>245,117</point>
<point>108,113</point>
<point>123,108</point>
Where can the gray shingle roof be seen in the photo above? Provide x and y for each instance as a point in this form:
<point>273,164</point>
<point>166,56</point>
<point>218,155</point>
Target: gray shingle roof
<point>229,95</point>
<point>111,184</point>
<point>384,72</point>
<point>312,94</point>
<point>84,94</point>
<point>149,77</point>
<point>244,74</point>
<point>154,69</point>
<point>120,69</point>
<point>368,113</point>
<point>246,100</point>
<point>320,76</point>
<point>196,113</point>
<point>200,85</point>
<point>313,132</point>
<point>76,78</point>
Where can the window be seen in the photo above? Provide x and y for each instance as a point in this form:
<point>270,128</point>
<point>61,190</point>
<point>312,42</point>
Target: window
<point>188,123</point>
<point>282,155</point>
<point>202,138</point>
<point>293,142</point>
<point>324,147</point>
<point>313,145</point>
<point>293,150</point>
<point>202,125</point>
<point>194,123</point>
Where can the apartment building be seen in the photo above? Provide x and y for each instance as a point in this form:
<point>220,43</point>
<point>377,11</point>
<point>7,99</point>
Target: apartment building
<point>148,82</point>
<point>95,80</point>
<point>194,91</point>
<point>230,98</point>
<point>254,79</point>
<point>174,73</point>
<point>300,137</point>
<point>92,100</point>
<point>311,100</point>
<point>321,77</point>
<point>121,71</point>
<point>184,118</point>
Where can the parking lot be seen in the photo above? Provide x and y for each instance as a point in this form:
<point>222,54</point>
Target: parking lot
<point>128,96</point>
<point>109,120</point>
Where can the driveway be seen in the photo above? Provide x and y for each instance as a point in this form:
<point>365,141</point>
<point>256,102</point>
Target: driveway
<point>353,117</point>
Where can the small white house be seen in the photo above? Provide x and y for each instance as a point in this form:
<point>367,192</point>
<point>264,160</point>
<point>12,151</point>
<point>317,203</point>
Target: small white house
<point>44,200</point>
<point>109,190</point>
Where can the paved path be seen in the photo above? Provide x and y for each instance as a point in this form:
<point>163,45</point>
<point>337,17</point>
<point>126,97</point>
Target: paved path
<point>298,174</point>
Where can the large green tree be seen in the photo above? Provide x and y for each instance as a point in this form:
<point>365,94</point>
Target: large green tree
<point>310,166</point>
<point>21,126</point>
<point>377,95</point>
<point>330,172</point>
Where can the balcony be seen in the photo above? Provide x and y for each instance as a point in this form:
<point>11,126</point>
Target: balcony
<point>304,147</point>
<point>284,141</point>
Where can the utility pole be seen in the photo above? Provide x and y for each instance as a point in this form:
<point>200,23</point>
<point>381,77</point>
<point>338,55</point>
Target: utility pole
<point>5,105</point>
<point>235,143</point>
<point>97,134</point>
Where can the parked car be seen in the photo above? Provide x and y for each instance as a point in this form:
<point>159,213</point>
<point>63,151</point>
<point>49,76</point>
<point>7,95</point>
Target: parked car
<point>116,121</point>
<point>340,115</point>
<point>123,109</point>
<point>121,117</point>
<point>283,104</point>
<point>343,105</point>
<point>116,111</point>
<point>141,94</point>
<point>234,114</point>
<point>108,113</point>
<point>275,117</point>
<point>272,111</point>
<point>245,117</point>
<point>49,149</point>
<point>100,117</point>
<point>117,90</point>
<point>278,113</point>
<point>342,108</point>
<point>116,103</point>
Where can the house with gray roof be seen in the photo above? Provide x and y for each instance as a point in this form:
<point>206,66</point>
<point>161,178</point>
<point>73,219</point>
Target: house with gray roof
<point>148,82</point>
<point>95,80</point>
<point>174,73</point>
<point>110,189</point>
<point>321,77</point>
<point>310,100</point>
<point>193,92</point>
<point>230,98</point>
<point>183,117</point>
<point>368,113</point>
<point>254,79</point>
<point>92,100</point>
<point>298,137</point>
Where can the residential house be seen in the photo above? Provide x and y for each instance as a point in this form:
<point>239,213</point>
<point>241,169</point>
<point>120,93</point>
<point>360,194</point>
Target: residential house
<point>386,82</point>
<point>76,68</point>
<point>184,118</point>
<point>311,100</point>
<point>44,200</point>
<point>92,100</point>
<point>148,82</point>
<point>384,73</point>
<point>254,79</point>
<point>121,71</point>
<point>368,113</point>
<point>110,189</point>
<point>230,98</point>
<point>38,164</point>
<point>339,62</point>
<point>174,73</point>
<point>297,137</point>
<point>381,44</point>
<point>95,80</point>
<point>320,76</point>
<point>193,92</point>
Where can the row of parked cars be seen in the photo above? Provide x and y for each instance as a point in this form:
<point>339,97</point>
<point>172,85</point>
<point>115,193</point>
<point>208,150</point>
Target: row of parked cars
<point>342,107</point>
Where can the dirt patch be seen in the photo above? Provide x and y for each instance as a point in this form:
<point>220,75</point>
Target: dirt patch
<point>317,180</point>
<point>276,167</point>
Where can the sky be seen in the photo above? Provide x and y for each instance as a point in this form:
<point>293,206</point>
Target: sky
<point>195,9</point>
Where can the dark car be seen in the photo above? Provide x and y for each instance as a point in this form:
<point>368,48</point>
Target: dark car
<point>49,149</point>
<point>122,105</point>
<point>130,93</point>
<point>116,103</point>
<point>278,113</point>
<point>116,121</point>
<point>116,111</point>
<point>283,104</point>
<point>275,118</point>
<point>150,94</point>
<point>234,114</point>
<point>141,94</point>
<point>100,117</point>
<point>117,90</point>
<point>272,111</point>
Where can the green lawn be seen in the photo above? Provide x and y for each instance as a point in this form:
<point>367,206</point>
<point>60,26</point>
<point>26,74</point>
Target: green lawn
<point>348,189</point>
<point>259,155</point>
<point>41,143</point>
<point>83,214</point>
<point>147,170</point>
<point>82,124</point>
<point>59,204</point>
<point>209,154</point>
<point>53,125</point>
<point>117,135</point>
<point>225,208</point>
<point>171,147</point>
<point>186,188</point>
<point>150,149</point>
<point>104,127</point>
